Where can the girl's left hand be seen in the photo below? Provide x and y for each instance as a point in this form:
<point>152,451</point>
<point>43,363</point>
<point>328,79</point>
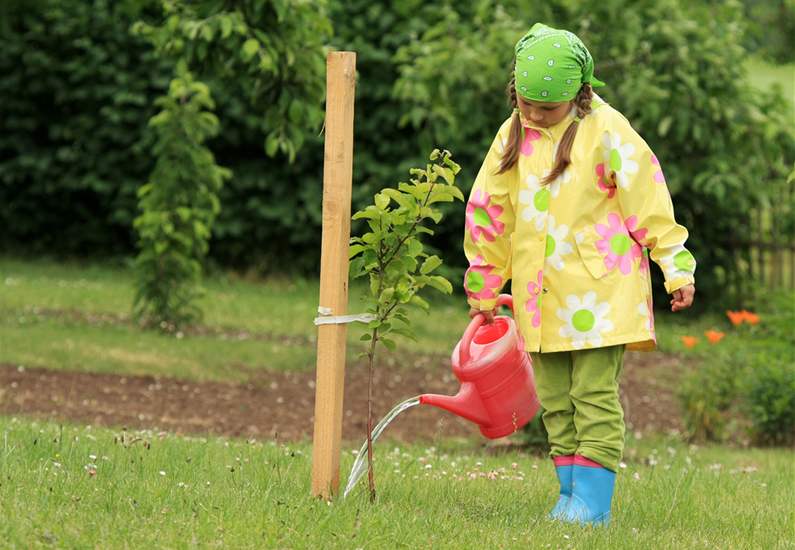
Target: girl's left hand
<point>683,297</point>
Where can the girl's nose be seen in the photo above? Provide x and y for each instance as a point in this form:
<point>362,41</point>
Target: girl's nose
<point>535,116</point>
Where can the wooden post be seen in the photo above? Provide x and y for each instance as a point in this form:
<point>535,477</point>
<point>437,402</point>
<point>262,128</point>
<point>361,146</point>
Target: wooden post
<point>337,174</point>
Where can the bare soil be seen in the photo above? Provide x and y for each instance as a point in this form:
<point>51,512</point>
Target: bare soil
<point>273,404</point>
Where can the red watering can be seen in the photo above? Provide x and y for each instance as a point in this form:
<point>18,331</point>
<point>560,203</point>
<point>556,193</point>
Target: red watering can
<point>497,386</point>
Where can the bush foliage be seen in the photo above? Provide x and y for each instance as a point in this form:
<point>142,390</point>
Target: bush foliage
<point>179,205</point>
<point>745,390</point>
<point>76,147</point>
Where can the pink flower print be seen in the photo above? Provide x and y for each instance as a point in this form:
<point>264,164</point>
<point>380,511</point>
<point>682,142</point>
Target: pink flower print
<point>638,233</point>
<point>617,246</point>
<point>479,282</point>
<point>481,219</point>
<point>533,304</point>
<point>658,175</point>
<point>601,181</point>
<point>643,267</point>
<point>530,136</point>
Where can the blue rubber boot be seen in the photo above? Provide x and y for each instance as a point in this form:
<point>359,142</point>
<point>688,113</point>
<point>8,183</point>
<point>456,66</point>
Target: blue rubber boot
<point>563,468</point>
<point>591,494</point>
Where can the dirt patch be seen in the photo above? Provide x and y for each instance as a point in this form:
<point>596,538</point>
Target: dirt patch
<point>281,405</point>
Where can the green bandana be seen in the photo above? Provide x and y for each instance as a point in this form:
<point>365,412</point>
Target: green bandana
<point>552,65</point>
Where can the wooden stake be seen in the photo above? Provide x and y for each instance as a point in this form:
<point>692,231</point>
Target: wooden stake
<point>337,174</point>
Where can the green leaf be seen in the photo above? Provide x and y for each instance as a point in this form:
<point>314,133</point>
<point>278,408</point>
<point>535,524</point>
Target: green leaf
<point>440,283</point>
<point>430,263</point>
<point>381,201</point>
<point>444,173</point>
<point>388,344</point>
<point>419,302</point>
<point>250,48</point>
<point>355,249</point>
<point>406,332</point>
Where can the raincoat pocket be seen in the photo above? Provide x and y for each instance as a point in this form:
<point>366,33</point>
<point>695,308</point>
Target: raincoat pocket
<point>591,259</point>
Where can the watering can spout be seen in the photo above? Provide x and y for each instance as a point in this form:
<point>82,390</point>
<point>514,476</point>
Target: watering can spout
<point>466,404</point>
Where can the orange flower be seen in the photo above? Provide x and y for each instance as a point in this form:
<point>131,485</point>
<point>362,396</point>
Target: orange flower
<point>689,341</point>
<point>714,336</point>
<point>749,317</point>
<point>736,317</point>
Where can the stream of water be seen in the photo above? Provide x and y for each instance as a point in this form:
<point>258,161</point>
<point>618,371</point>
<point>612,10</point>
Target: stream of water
<point>360,464</point>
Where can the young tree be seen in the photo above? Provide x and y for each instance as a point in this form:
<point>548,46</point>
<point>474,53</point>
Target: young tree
<point>392,256</point>
<point>178,206</point>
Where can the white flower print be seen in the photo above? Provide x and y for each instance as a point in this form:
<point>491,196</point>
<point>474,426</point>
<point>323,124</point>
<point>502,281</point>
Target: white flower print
<point>618,158</point>
<point>557,247</point>
<point>585,320</point>
<point>536,201</point>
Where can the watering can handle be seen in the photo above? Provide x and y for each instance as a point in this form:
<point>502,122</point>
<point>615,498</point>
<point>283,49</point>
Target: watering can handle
<point>476,322</point>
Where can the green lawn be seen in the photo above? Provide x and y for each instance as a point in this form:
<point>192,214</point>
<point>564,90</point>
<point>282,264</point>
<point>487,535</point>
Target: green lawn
<point>46,311</point>
<point>764,75</point>
<point>79,487</point>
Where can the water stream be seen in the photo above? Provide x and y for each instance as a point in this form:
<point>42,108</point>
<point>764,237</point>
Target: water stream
<point>360,464</point>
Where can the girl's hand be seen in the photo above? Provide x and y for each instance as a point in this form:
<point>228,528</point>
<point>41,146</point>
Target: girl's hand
<point>489,315</point>
<point>683,297</point>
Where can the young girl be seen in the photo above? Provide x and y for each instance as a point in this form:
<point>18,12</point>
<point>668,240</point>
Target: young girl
<point>569,204</point>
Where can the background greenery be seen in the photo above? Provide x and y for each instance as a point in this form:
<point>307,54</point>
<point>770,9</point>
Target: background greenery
<point>76,147</point>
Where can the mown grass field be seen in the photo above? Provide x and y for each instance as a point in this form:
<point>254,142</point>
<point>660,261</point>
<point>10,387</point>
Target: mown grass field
<point>67,486</point>
<point>80,487</point>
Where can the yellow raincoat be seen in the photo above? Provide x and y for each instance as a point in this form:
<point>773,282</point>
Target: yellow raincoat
<point>576,249</point>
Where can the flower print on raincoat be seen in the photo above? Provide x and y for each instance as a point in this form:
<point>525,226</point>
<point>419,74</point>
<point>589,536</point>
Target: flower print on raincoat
<point>577,254</point>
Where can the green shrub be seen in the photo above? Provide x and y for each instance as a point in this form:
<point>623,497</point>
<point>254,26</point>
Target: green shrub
<point>744,390</point>
<point>771,401</point>
<point>179,206</point>
<point>709,397</point>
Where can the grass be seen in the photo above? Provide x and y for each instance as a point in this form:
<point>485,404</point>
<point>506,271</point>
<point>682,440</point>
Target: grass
<point>45,308</point>
<point>67,487</point>
<point>764,75</point>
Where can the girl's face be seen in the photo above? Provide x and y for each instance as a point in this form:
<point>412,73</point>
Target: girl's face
<point>541,113</point>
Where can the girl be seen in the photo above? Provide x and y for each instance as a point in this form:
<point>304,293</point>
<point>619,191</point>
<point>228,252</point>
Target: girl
<point>569,204</point>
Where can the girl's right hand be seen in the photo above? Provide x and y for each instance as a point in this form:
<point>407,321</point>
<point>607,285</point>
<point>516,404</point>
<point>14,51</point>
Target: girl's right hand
<point>489,315</point>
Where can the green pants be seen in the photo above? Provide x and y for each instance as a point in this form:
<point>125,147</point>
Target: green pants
<point>578,391</point>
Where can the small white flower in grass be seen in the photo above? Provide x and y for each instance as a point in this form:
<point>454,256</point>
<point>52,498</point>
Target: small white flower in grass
<point>92,457</point>
<point>162,472</point>
<point>622,465</point>
<point>636,476</point>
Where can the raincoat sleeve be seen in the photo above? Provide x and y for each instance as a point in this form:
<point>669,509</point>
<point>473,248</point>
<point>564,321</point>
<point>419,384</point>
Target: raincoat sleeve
<point>646,203</point>
<point>489,225</point>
